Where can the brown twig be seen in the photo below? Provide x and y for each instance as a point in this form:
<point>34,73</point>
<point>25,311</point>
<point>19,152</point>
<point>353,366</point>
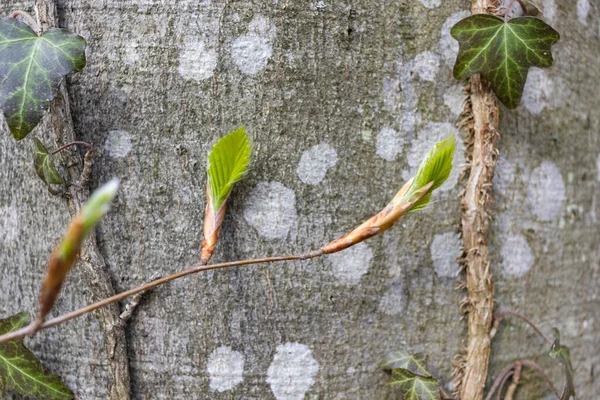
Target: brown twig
<point>75,143</point>
<point>481,123</point>
<point>512,388</point>
<point>500,380</point>
<point>499,315</point>
<point>60,122</point>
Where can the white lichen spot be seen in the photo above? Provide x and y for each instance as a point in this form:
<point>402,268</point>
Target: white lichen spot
<point>130,53</point>
<point>431,3</point>
<point>424,142</point>
<point>392,302</point>
<point>350,265</point>
<point>426,65</point>
<point>546,191</point>
<point>118,143</point>
<point>598,167</point>
<point>449,45</point>
<point>517,257</point>
<point>292,371</point>
<point>9,224</point>
<point>583,9</point>
<point>271,209</point>
<point>445,248</point>
<point>549,10</point>
<point>538,91</point>
<point>315,162</point>
<point>225,369</point>
<point>454,99</point>
<point>251,52</point>
<point>196,62</point>
<point>389,144</point>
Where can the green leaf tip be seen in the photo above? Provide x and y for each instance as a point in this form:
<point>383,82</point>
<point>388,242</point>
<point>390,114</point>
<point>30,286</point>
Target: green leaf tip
<point>227,163</point>
<point>503,52</point>
<point>43,163</point>
<point>32,67</point>
<point>98,204</point>
<point>436,168</point>
<point>20,370</point>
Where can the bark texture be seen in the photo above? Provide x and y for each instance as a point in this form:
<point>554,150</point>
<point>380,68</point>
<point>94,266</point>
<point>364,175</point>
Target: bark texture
<point>342,100</point>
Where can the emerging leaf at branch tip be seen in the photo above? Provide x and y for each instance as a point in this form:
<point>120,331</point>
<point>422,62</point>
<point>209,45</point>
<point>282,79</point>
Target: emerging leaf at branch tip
<point>44,165</point>
<point>436,168</point>
<point>65,254</point>
<point>20,370</point>
<point>562,354</point>
<point>31,69</point>
<point>227,163</point>
<point>503,52</point>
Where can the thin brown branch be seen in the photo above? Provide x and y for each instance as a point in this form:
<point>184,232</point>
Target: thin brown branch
<point>75,143</point>
<point>516,378</point>
<point>199,267</point>
<point>499,316</point>
<point>500,380</point>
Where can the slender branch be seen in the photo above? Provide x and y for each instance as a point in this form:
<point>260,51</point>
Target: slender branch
<point>499,315</point>
<point>503,382</point>
<point>199,267</point>
<point>499,382</point>
<point>75,143</point>
<point>516,378</point>
<point>30,20</point>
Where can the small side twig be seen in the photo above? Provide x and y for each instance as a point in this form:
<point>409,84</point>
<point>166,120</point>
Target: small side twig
<point>132,305</point>
<point>500,380</point>
<point>499,315</point>
<point>75,143</point>
<point>516,377</point>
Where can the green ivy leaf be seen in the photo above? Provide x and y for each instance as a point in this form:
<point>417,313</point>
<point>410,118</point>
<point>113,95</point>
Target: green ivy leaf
<point>414,386</point>
<point>503,52</point>
<point>416,363</point>
<point>436,168</point>
<point>227,163</point>
<point>44,164</point>
<point>562,354</point>
<point>411,376</point>
<point>31,68</point>
<point>20,370</point>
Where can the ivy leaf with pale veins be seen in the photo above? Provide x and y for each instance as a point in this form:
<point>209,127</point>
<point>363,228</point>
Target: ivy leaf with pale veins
<point>227,163</point>
<point>31,68</point>
<point>411,376</point>
<point>562,354</point>
<point>20,370</point>
<point>503,52</point>
<point>44,165</point>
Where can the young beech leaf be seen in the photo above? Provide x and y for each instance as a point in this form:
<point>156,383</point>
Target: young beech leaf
<point>227,163</point>
<point>414,195</point>
<point>436,168</point>
<point>31,68</point>
<point>64,255</point>
<point>503,52</point>
<point>44,165</point>
<point>562,354</point>
<point>20,370</point>
<point>411,376</point>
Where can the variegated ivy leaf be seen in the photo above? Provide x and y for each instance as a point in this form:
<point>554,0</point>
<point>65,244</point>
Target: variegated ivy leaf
<point>416,363</point>
<point>436,168</point>
<point>503,52</point>
<point>31,68</point>
<point>227,163</point>
<point>21,371</point>
<point>411,376</point>
<point>44,164</point>
<point>562,354</point>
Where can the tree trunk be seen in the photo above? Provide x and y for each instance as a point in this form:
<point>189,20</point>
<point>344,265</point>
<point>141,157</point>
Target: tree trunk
<point>342,100</point>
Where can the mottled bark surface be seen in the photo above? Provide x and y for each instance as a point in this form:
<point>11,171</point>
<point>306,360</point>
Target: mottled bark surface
<point>369,84</point>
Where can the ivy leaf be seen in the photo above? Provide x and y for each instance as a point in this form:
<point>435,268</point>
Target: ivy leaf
<point>436,168</point>
<point>227,163</point>
<point>20,370</point>
<point>416,363</point>
<point>44,164</point>
<point>411,376</point>
<point>31,68</point>
<point>503,52</point>
<point>562,354</point>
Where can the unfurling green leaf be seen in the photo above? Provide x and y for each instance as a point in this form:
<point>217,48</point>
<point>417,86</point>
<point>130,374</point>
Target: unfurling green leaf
<point>503,52</point>
<point>44,165</point>
<point>411,376</point>
<point>31,68</point>
<point>20,370</point>
<point>436,168</point>
<point>227,163</point>
<point>562,354</point>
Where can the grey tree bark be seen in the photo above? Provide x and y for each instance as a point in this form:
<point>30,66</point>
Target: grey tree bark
<point>342,100</point>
